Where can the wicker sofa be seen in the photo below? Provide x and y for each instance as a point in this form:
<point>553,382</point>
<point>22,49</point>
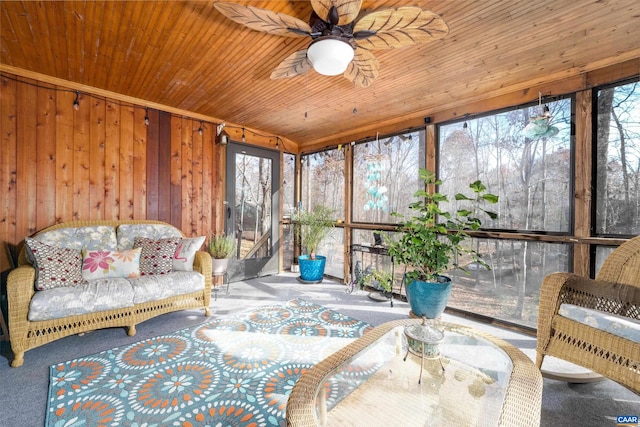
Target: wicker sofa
<point>26,333</point>
<point>595,323</point>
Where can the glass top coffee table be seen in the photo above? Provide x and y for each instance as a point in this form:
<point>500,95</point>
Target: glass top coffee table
<point>478,380</point>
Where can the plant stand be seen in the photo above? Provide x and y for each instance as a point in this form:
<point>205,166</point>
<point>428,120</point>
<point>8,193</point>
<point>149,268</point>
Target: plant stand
<point>219,280</point>
<point>377,252</point>
<point>308,282</point>
<point>424,341</point>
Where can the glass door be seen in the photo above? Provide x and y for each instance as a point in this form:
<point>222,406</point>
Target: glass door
<point>253,210</point>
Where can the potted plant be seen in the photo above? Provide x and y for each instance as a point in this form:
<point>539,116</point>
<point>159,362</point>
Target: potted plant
<point>221,249</point>
<point>382,281</point>
<point>311,228</point>
<point>432,240</point>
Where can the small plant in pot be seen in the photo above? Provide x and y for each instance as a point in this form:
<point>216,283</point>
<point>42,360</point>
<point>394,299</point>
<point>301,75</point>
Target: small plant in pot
<point>380,280</point>
<point>221,249</point>
<point>311,228</point>
<point>432,240</point>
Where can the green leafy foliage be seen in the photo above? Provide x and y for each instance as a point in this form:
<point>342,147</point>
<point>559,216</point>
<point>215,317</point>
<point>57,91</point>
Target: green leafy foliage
<point>220,246</point>
<point>311,227</point>
<point>432,237</point>
<point>378,279</point>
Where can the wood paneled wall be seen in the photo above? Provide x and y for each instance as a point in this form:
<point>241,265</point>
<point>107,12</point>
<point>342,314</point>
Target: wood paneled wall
<point>101,161</point>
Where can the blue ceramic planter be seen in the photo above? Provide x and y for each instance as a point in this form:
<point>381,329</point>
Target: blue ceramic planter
<point>312,270</point>
<point>429,298</point>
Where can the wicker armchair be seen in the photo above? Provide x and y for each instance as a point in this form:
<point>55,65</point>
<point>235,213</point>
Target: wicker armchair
<point>615,290</point>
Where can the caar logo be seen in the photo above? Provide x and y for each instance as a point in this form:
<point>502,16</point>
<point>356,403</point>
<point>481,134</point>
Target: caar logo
<point>627,421</point>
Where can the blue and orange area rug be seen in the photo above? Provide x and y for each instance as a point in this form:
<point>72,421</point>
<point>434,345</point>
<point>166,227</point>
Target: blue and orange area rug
<point>236,371</point>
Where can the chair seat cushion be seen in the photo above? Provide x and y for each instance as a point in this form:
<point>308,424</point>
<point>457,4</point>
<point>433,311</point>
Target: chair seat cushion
<point>151,288</point>
<point>623,327</point>
<point>94,295</point>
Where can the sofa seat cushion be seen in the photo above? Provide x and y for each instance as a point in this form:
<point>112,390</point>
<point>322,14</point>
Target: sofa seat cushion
<point>151,288</point>
<point>89,237</point>
<point>623,327</point>
<point>95,295</point>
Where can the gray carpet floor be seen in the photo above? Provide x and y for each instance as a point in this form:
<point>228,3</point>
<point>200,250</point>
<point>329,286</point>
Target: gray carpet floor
<point>23,391</point>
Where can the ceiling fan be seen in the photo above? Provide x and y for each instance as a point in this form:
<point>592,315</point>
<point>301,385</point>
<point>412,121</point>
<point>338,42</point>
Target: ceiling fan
<point>340,43</point>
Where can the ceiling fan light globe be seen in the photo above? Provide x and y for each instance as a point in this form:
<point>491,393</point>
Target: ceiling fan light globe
<point>330,57</point>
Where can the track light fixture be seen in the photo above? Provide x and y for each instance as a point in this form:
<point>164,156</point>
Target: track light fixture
<point>146,116</point>
<point>76,102</point>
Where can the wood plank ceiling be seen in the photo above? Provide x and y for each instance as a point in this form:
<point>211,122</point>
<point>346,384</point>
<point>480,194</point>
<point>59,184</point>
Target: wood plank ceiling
<point>186,55</point>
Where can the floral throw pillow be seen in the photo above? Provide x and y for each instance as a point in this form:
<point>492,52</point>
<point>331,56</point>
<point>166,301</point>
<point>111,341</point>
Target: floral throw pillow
<point>186,253</point>
<point>55,267</point>
<point>104,264</point>
<point>157,255</point>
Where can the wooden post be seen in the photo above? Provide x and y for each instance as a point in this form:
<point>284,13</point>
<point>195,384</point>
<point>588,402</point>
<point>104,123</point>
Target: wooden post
<point>583,182</point>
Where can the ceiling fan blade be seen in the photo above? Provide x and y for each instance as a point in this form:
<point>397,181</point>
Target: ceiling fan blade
<point>363,69</point>
<point>264,20</point>
<point>347,9</point>
<point>293,65</point>
<point>400,27</point>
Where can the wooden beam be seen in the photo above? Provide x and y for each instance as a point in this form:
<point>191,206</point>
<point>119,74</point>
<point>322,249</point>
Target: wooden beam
<point>583,181</point>
<point>254,136</point>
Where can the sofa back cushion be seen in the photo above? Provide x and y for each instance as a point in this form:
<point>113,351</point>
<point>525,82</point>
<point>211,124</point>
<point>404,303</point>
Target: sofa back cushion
<point>55,267</point>
<point>126,233</point>
<point>88,237</point>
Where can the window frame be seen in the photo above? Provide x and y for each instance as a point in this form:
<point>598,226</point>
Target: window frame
<point>421,163</point>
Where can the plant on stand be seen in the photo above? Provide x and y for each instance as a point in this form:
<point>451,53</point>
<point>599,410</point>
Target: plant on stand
<point>221,249</point>
<point>432,242</point>
<point>381,280</point>
<point>311,228</point>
